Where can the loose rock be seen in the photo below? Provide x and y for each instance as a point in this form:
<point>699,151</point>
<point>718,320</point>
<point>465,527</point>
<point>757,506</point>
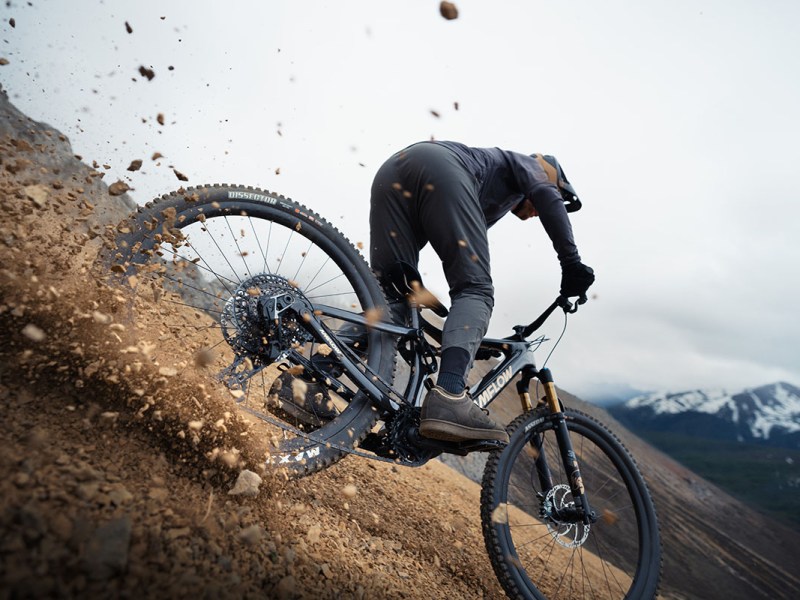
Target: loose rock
<point>247,484</point>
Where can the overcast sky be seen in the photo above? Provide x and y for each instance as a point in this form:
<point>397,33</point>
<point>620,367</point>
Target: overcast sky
<point>677,122</point>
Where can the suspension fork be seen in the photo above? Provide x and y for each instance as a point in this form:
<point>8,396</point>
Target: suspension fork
<point>542,468</point>
<point>568,457</point>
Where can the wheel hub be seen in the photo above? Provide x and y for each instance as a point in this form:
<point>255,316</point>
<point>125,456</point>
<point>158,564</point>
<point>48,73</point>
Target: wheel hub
<point>560,515</point>
<point>246,327</point>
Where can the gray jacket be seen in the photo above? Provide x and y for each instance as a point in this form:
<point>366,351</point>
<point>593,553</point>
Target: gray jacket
<point>506,178</point>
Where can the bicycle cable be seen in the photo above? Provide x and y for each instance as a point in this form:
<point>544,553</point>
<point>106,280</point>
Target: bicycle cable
<point>558,341</point>
<point>549,354</point>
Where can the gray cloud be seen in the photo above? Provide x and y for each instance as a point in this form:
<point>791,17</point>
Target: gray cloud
<point>677,125</point>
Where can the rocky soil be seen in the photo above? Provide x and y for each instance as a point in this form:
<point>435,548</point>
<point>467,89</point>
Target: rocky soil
<point>116,468</point>
<point>116,465</point>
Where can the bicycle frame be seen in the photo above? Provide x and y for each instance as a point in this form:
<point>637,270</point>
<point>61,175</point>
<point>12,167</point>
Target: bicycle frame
<point>516,350</point>
<point>517,353</point>
<point>518,357</point>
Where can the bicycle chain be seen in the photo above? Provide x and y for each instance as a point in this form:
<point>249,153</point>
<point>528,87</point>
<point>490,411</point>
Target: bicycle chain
<point>327,443</point>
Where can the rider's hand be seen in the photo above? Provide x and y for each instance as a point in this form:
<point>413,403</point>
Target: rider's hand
<point>576,279</point>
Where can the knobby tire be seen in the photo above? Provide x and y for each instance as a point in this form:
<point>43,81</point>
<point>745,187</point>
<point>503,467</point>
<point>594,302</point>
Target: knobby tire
<point>244,233</point>
<point>620,555</point>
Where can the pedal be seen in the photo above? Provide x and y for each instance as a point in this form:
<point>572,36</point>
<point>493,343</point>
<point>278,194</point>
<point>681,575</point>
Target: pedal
<point>482,445</point>
<point>462,448</point>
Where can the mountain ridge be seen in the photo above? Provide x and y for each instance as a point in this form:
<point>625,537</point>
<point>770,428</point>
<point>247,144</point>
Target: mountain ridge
<point>768,414</point>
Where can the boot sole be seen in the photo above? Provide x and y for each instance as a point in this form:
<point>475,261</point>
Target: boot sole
<point>452,432</point>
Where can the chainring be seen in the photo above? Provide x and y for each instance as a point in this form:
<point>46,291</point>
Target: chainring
<point>403,428</point>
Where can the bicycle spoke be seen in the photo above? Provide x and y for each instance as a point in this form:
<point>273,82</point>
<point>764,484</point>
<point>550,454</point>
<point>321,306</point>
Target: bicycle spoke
<point>561,555</point>
<point>221,253</point>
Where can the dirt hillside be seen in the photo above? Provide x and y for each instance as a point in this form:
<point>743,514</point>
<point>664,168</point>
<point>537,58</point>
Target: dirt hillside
<point>117,465</point>
<point>116,469</point>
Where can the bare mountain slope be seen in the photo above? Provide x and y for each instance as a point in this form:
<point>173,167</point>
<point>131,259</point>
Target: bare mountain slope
<point>714,545</point>
<point>116,464</point>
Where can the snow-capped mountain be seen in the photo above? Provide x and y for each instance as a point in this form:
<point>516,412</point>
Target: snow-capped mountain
<point>768,415</point>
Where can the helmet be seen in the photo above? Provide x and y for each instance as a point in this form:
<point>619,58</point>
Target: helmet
<point>557,176</point>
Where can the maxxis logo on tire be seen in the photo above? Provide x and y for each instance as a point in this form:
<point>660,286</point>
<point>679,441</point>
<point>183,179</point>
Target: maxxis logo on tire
<point>242,195</point>
<point>533,424</point>
<point>305,215</point>
<point>283,459</point>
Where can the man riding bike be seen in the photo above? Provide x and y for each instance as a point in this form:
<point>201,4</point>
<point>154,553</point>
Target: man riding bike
<point>449,194</point>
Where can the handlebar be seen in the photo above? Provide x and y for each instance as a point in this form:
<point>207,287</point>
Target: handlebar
<point>523,331</point>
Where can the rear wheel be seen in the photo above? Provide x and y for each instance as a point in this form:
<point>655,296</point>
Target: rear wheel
<point>202,262</point>
<point>537,546</point>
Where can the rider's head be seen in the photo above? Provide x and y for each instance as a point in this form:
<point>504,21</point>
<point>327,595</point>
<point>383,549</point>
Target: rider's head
<point>557,176</point>
<point>525,209</point>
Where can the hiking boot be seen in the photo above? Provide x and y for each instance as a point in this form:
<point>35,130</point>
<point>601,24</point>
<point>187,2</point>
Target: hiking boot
<point>306,401</point>
<point>457,419</point>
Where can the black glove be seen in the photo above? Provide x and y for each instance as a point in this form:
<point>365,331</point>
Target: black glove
<point>576,279</point>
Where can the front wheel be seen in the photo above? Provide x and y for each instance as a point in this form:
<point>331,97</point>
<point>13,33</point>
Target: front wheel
<point>538,548</point>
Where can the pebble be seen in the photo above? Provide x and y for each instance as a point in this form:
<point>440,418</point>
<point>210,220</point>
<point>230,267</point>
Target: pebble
<point>157,493</point>
<point>313,534</point>
<point>247,484</point>
<point>33,333</point>
<point>61,526</point>
<point>119,495</point>
<point>176,533</point>
<point>500,514</point>
<point>21,479</point>
<point>37,194</point>
<point>89,491</point>
<point>285,590</point>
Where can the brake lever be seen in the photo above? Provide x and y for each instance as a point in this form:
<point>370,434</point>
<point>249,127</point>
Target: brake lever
<point>568,307</point>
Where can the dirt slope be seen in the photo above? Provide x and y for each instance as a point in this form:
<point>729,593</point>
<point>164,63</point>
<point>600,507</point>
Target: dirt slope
<point>115,468</point>
<point>116,464</point>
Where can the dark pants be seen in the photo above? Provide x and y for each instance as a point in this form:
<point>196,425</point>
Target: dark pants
<point>424,194</point>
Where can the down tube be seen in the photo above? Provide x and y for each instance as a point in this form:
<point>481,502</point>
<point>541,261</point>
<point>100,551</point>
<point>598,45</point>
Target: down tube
<point>485,391</point>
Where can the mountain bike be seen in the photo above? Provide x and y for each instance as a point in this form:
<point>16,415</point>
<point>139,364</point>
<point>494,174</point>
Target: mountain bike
<point>275,303</point>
